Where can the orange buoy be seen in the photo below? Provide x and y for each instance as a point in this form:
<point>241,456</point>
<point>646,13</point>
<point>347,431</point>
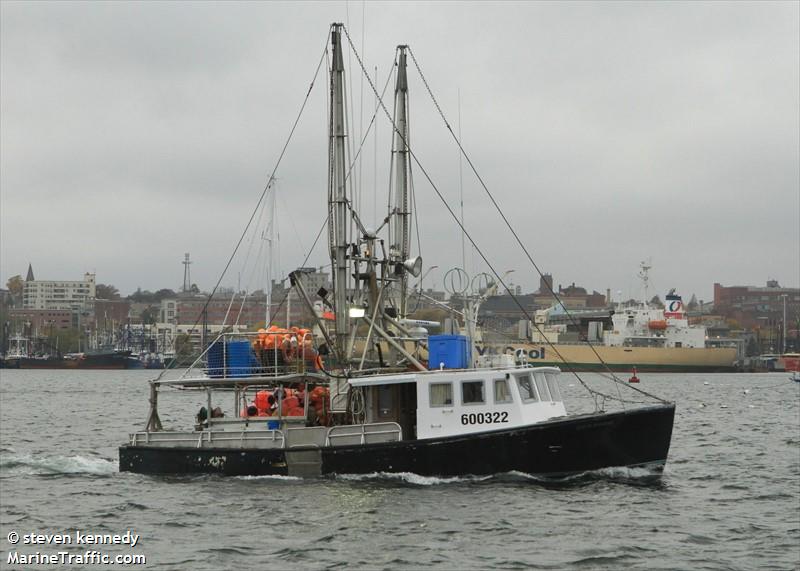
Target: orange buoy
<point>288,404</point>
<point>264,402</point>
<point>634,378</point>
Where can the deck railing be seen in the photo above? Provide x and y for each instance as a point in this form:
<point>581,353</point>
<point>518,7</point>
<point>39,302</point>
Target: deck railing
<point>256,354</point>
<point>318,436</point>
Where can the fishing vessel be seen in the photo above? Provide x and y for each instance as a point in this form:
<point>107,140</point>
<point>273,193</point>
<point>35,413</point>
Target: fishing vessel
<point>363,393</point>
<point>37,353</point>
<point>93,359</point>
<point>18,349</point>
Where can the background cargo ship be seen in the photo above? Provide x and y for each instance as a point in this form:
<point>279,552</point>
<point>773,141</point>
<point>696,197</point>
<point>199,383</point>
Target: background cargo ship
<point>648,338</point>
<point>582,357</point>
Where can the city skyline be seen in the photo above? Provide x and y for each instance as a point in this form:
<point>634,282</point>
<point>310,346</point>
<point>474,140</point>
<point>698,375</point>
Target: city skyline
<point>617,295</point>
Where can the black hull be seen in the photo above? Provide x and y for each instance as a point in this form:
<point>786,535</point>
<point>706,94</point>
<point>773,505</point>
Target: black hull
<point>9,363</point>
<point>555,448</point>
<point>103,361</point>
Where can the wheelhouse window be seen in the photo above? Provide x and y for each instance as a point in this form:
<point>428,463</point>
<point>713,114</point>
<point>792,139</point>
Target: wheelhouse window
<point>502,394</point>
<point>541,386</point>
<point>552,384</point>
<point>472,392</point>
<point>441,394</point>
<point>526,390</point>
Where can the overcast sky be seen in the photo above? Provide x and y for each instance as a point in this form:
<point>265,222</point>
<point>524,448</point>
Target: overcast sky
<point>610,133</point>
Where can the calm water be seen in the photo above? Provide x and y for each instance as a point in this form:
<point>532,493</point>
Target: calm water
<point>729,499</point>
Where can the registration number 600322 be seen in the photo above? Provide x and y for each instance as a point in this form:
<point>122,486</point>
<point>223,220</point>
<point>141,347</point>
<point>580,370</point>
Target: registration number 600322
<point>484,418</point>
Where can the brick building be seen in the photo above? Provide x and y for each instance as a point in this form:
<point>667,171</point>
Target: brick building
<point>40,322</point>
<point>762,309</point>
<point>109,313</point>
<point>250,311</point>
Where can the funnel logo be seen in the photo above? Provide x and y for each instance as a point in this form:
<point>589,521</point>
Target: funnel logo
<point>674,308</point>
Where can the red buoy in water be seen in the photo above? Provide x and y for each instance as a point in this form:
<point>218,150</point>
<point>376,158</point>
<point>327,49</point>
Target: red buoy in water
<point>634,378</point>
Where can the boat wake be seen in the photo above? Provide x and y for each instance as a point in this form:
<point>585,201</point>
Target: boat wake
<point>630,475</point>
<point>410,478</point>
<point>41,465</point>
<point>271,477</point>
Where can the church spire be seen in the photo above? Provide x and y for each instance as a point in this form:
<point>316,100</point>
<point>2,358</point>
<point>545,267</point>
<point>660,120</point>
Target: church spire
<point>29,277</point>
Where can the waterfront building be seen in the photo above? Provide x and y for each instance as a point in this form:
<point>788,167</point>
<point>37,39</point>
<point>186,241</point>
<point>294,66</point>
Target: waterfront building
<point>428,299</point>
<point>576,297</point>
<point>58,294</point>
<point>40,322</point>
<point>110,313</point>
<point>762,309</point>
<point>6,298</point>
<point>287,308</point>
<point>168,310</point>
<point>221,308</point>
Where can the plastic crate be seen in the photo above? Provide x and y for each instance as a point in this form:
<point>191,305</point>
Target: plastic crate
<point>449,352</point>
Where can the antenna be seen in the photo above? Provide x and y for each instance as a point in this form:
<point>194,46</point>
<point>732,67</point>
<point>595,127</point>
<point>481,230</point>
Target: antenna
<point>461,187</point>
<point>187,275</point>
<point>269,235</point>
<point>644,268</point>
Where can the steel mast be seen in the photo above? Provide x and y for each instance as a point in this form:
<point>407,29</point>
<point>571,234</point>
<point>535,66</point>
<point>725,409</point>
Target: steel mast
<point>337,192</point>
<point>399,231</point>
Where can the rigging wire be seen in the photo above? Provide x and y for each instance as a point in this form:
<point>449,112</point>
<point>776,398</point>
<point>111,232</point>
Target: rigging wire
<point>249,281</point>
<point>364,138</point>
<point>461,187</point>
<point>496,205</point>
<point>288,290</point>
<point>261,197</point>
<point>375,166</point>
<point>361,112</point>
<point>297,234</point>
<point>455,217</point>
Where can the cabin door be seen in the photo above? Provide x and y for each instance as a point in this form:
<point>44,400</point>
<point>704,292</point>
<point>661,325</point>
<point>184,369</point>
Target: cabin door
<point>398,403</point>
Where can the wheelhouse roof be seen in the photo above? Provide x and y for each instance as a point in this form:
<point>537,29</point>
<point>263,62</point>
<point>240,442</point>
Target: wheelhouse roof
<point>421,375</point>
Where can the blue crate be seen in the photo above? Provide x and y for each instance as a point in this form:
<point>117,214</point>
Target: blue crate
<point>238,358</point>
<point>215,360</point>
<point>453,351</point>
<point>231,359</point>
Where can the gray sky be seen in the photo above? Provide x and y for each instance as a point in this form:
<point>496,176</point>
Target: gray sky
<point>609,133</point>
